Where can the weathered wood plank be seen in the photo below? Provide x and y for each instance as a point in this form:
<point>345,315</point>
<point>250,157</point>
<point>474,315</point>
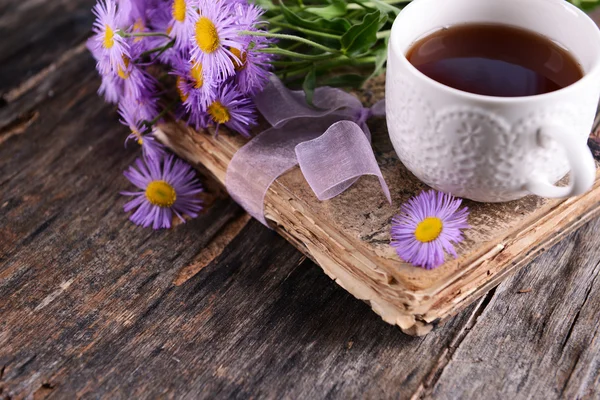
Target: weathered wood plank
<point>36,33</point>
<point>59,182</point>
<point>87,301</point>
<point>538,337</point>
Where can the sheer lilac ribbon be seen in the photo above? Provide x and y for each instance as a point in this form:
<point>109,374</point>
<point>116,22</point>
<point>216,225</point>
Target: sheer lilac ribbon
<point>331,162</point>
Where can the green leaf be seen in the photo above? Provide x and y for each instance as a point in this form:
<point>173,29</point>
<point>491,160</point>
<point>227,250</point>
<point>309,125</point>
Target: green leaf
<point>309,85</point>
<point>586,4</point>
<point>380,59</point>
<point>380,5</point>
<point>264,4</point>
<point>336,9</point>
<point>362,36</point>
<point>353,81</point>
<point>335,26</point>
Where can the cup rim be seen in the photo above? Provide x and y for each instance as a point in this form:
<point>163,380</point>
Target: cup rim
<point>496,99</point>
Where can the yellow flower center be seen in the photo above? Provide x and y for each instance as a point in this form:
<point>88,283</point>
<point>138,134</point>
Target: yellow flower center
<point>124,73</point>
<point>160,193</point>
<point>196,73</point>
<point>182,95</point>
<point>109,37</point>
<point>429,229</point>
<point>241,56</point>
<point>207,36</point>
<point>137,134</point>
<point>219,113</point>
<point>179,10</point>
<point>138,27</point>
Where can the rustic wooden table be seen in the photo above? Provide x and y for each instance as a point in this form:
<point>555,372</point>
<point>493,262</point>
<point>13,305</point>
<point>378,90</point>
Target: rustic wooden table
<point>93,306</point>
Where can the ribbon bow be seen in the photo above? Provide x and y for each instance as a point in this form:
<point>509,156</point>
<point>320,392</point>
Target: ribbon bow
<point>331,161</point>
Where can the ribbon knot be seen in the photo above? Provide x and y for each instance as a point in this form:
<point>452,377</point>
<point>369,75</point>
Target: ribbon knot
<point>330,162</point>
<point>363,115</point>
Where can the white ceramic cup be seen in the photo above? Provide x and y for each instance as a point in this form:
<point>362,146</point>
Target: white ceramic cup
<point>494,148</point>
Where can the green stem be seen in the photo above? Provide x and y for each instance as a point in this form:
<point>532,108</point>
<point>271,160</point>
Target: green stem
<point>161,50</point>
<point>293,54</point>
<point>164,48</point>
<point>142,34</point>
<point>335,63</point>
<point>294,46</point>
<point>362,4</point>
<point>290,37</point>
<point>307,31</point>
<point>162,113</point>
<point>354,15</point>
<point>383,34</point>
<point>277,63</point>
<point>276,18</point>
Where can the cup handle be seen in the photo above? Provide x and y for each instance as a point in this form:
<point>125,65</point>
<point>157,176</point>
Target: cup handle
<point>583,166</point>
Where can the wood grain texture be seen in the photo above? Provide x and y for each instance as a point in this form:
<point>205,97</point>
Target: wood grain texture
<point>539,344</point>
<point>36,33</point>
<point>88,306</point>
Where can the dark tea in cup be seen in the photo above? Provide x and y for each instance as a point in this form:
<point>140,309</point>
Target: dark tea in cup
<point>495,60</point>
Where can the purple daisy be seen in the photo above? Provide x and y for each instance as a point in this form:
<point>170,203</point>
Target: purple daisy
<point>167,187</point>
<point>252,66</point>
<point>151,148</point>
<point>196,88</point>
<point>132,84</point>
<point>130,81</point>
<point>248,18</point>
<point>137,82</point>
<point>111,88</point>
<point>111,49</point>
<point>159,20</point>
<point>427,226</point>
<point>194,116</point>
<point>232,109</point>
<point>131,12</point>
<point>182,14</point>
<point>252,70</point>
<point>213,34</point>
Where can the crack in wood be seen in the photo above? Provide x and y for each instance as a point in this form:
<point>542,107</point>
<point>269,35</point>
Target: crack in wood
<point>40,229</point>
<point>148,280</point>
<point>428,384</point>
<point>576,318</point>
<point>213,249</point>
<point>21,369</point>
<point>570,331</point>
<point>566,385</point>
<point>18,125</point>
<point>43,391</point>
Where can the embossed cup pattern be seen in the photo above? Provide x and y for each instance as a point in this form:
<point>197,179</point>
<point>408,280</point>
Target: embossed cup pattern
<point>479,147</point>
<point>472,152</point>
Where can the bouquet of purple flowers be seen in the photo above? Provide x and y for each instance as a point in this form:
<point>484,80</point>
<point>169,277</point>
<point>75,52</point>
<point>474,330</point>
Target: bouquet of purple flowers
<point>201,61</point>
<point>213,56</point>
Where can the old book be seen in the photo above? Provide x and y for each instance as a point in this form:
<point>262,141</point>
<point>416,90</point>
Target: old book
<point>349,235</point>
